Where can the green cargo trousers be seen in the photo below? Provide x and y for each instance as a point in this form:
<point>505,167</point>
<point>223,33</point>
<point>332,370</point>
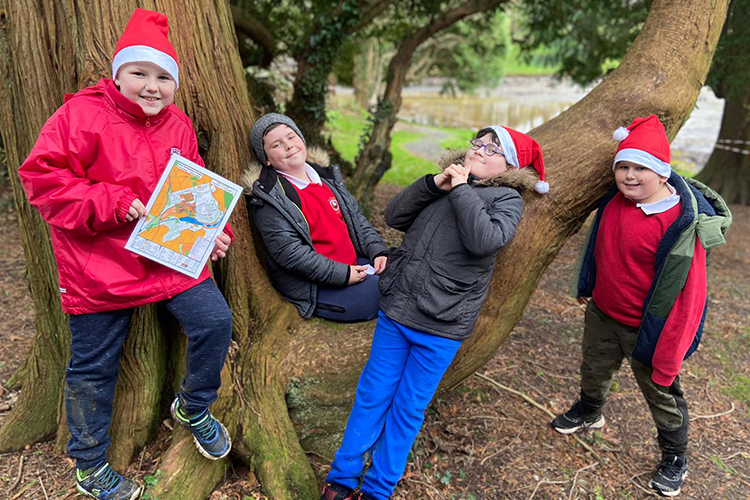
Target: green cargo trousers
<point>605,343</point>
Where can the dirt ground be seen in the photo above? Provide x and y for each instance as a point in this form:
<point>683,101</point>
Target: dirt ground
<point>482,441</point>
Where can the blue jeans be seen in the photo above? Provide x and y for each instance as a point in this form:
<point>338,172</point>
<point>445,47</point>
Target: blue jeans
<point>394,390</point>
<point>95,348</point>
<point>350,304</point>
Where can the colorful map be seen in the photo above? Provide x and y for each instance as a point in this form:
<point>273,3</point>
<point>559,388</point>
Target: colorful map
<point>184,215</point>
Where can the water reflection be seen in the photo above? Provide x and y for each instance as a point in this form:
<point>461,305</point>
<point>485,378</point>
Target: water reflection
<point>474,112</point>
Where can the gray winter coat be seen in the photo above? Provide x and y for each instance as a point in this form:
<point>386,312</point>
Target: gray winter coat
<point>438,279</point>
<point>294,267</point>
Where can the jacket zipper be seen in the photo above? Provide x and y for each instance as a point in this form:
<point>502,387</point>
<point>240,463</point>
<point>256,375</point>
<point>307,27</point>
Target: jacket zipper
<point>155,168</point>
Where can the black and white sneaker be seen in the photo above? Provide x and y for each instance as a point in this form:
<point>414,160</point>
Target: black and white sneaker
<point>670,475</point>
<point>575,419</point>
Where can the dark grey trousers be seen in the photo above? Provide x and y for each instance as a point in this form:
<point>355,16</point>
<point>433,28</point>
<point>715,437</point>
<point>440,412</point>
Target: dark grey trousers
<point>606,343</point>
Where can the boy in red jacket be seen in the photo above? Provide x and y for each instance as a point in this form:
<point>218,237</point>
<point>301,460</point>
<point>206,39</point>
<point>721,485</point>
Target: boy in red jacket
<point>645,267</point>
<point>95,164</point>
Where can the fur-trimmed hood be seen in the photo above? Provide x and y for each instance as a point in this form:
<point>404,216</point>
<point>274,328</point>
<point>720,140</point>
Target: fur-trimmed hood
<point>524,178</point>
<point>316,155</point>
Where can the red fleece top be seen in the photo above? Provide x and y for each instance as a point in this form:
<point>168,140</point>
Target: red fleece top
<point>327,227</point>
<point>625,255</point>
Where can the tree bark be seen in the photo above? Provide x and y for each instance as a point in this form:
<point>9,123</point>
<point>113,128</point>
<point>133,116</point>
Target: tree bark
<point>375,158</point>
<point>47,48</point>
<point>728,167</point>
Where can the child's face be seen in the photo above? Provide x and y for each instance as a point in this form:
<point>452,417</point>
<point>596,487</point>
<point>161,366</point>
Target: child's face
<point>147,85</point>
<point>637,182</point>
<point>284,149</point>
<point>484,166</point>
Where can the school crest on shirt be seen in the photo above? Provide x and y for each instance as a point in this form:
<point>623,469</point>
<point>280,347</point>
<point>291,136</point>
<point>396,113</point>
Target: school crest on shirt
<point>334,203</point>
<point>175,151</point>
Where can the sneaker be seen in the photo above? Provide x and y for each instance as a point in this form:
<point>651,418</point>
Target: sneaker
<point>210,436</point>
<point>574,420</point>
<point>106,484</point>
<point>333,491</point>
<point>670,475</point>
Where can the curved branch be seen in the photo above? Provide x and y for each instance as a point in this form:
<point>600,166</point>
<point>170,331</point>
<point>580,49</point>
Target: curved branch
<point>247,24</point>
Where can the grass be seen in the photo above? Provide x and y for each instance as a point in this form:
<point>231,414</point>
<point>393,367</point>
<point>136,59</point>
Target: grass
<point>347,123</point>
<point>516,65</point>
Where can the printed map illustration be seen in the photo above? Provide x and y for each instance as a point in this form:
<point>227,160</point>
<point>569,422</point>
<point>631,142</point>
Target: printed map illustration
<point>184,215</point>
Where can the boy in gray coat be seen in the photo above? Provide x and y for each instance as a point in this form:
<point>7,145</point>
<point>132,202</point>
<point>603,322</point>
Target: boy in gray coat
<point>320,245</point>
<point>433,289</point>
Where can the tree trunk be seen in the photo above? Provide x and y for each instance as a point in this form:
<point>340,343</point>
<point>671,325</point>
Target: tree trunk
<point>368,73</point>
<point>728,167</point>
<point>375,158</point>
<point>47,48</point>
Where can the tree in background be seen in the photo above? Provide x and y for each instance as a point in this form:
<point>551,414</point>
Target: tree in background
<point>727,169</point>
<point>278,399</point>
<point>589,37</point>
<point>374,158</point>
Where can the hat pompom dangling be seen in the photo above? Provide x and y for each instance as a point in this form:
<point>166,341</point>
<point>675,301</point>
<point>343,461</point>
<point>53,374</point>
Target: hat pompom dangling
<point>541,187</point>
<point>621,134</point>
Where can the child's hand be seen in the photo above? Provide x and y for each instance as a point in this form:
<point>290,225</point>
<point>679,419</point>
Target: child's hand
<point>583,300</point>
<point>442,181</point>
<point>136,210</point>
<point>379,264</point>
<point>222,245</point>
<point>357,274</point>
<point>458,174</point>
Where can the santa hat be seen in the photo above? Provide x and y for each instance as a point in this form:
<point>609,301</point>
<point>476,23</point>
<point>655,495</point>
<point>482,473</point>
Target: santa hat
<point>521,151</point>
<point>145,39</point>
<point>645,143</point>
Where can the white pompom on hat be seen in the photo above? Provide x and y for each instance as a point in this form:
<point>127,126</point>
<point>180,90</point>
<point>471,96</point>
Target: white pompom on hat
<point>145,39</point>
<point>644,142</point>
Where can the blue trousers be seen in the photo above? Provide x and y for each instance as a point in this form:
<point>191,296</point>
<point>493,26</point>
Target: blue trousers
<point>350,304</point>
<point>95,348</point>
<point>397,384</point>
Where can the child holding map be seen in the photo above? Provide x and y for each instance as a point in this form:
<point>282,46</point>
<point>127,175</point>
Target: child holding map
<point>95,163</point>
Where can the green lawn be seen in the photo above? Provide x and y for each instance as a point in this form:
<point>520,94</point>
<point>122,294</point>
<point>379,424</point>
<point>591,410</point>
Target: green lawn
<point>346,124</point>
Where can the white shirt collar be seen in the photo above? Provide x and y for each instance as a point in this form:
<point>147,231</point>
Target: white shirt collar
<point>660,206</point>
<point>300,183</point>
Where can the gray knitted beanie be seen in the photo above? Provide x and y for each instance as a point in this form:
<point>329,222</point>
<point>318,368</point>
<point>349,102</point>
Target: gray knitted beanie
<point>265,121</point>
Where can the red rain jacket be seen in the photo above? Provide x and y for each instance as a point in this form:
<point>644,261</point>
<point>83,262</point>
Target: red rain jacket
<point>93,157</point>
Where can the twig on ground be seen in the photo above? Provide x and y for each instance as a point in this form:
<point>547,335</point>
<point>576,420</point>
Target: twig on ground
<point>140,462</point>
<point>20,474</point>
<point>500,450</point>
<point>42,483</point>
<point>698,417</point>
<point>544,481</point>
<point>575,478</point>
<point>743,453</point>
<point>428,486</point>
<point>649,492</point>
<point>526,398</point>
<point>23,490</point>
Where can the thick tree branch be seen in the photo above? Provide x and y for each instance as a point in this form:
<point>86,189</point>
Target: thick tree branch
<point>254,29</point>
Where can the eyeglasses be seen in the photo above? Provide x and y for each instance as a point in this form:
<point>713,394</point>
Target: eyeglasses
<point>489,149</point>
